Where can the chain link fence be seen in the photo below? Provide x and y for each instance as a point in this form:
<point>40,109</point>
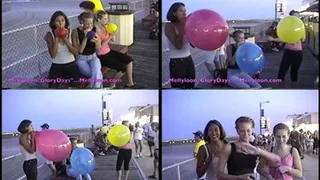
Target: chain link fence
<point>257,29</point>
<point>25,54</point>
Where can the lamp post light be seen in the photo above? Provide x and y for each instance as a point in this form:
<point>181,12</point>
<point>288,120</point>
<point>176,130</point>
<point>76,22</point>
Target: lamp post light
<point>262,114</point>
<point>104,106</point>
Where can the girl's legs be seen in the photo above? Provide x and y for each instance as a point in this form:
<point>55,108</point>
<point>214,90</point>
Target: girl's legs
<point>72,173</point>
<point>30,169</point>
<point>140,143</point>
<point>127,158</point>
<point>120,159</point>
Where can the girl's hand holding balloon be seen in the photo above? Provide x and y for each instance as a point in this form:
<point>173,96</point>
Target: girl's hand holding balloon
<point>86,31</point>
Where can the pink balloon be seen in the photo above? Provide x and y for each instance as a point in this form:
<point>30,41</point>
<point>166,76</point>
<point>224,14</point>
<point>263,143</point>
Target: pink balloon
<point>54,145</point>
<point>206,29</point>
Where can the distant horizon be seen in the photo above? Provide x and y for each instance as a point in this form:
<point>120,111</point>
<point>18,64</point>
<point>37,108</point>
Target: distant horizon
<point>235,10</point>
<point>64,109</point>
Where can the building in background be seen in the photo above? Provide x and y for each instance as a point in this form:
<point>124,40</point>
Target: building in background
<point>309,121</point>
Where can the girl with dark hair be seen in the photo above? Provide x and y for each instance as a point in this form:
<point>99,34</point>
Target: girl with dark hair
<point>290,164</point>
<point>237,78</point>
<point>61,51</point>
<point>110,58</point>
<point>182,70</point>
<point>28,149</point>
<point>124,157</point>
<point>208,156</point>
<point>87,60</point>
<point>292,56</point>
<point>240,156</point>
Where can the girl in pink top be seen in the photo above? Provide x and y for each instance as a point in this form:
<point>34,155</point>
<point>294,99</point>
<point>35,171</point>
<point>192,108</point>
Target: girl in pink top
<point>113,59</point>
<point>290,165</point>
<point>124,156</point>
<point>293,57</point>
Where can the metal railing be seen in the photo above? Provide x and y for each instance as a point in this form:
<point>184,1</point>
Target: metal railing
<point>178,167</point>
<point>28,58</point>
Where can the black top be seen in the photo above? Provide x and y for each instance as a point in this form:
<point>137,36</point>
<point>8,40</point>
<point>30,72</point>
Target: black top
<point>90,46</point>
<point>239,164</point>
<point>235,66</point>
<point>68,159</point>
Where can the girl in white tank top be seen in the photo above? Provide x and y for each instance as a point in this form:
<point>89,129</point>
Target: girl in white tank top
<point>182,70</point>
<point>28,149</point>
<point>62,52</point>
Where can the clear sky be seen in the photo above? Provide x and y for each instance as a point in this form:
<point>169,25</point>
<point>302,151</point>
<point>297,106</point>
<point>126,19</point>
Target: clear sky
<point>67,108</point>
<point>184,112</point>
<point>235,9</point>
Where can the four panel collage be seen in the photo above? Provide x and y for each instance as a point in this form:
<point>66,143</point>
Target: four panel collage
<point>103,91</point>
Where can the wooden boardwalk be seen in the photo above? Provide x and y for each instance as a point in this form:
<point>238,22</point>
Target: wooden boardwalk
<point>105,167</point>
<point>145,54</point>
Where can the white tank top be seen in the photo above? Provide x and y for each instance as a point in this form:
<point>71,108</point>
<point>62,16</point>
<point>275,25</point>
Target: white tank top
<point>25,154</point>
<point>211,171</point>
<point>64,56</point>
<point>179,53</point>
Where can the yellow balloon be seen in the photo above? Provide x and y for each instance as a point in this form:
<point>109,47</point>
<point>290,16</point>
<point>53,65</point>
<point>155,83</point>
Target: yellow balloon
<point>97,5</point>
<point>111,28</point>
<point>291,29</point>
<point>105,129</point>
<point>119,135</point>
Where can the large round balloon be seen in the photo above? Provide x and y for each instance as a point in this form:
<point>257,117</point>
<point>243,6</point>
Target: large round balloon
<point>291,29</point>
<point>97,5</point>
<point>82,160</point>
<point>250,58</point>
<point>206,29</point>
<point>119,135</point>
<point>54,145</point>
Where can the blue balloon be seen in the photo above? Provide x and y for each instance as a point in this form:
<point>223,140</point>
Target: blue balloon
<point>82,160</point>
<point>250,58</point>
<point>91,35</point>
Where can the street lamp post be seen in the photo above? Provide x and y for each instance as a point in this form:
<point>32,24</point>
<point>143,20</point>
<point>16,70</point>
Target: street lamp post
<point>102,104</point>
<point>260,108</point>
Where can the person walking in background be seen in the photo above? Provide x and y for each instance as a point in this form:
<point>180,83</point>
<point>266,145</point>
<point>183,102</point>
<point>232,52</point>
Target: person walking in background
<point>155,128</point>
<point>198,137</point>
<point>150,137</point>
<point>50,164</point>
<point>28,149</point>
<point>138,139</point>
<point>124,157</point>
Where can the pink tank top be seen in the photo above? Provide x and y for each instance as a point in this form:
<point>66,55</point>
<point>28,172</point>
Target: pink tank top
<point>274,171</point>
<point>105,46</point>
<point>127,146</point>
<point>294,47</point>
